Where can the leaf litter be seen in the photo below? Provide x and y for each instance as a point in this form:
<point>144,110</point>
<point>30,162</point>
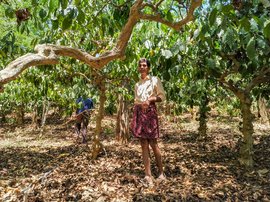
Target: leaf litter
<point>197,169</point>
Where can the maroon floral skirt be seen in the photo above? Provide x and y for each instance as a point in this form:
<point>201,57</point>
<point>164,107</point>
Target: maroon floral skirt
<point>145,125</point>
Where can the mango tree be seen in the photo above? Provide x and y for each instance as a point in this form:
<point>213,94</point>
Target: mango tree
<point>66,17</point>
<point>234,49</point>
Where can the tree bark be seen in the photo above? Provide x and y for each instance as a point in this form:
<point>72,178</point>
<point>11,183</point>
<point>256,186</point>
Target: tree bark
<point>97,146</point>
<point>48,54</point>
<point>35,116</point>
<point>246,147</point>
<point>20,114</point>
<point>203,111</point>
<point>122,121</point>
<point>45,110</point>
<point>262,110</point>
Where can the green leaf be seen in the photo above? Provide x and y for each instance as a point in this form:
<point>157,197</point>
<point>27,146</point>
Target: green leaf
<point>42,13</point>
<point>73,13</point>
<point>266,30</point>
<point>81,17</point>
<point>211,2</point>
<point>9,12</point>
<point>34,42</point>
<point>67,23</point>
<point>213,16</point>
<point>227,9</point>
<point>35,2</point>
<point>211,63</point>
<point>229,37</point>
<point>251,52</point>
<point>55,24</point>
<point>244,22</point>
<point>77,2</point>
<point>52,5</point>
<point>166,75</point>
<point>265,3</point>
<point>63,3</point>
<point>254,24</point>
<point>169,16</point>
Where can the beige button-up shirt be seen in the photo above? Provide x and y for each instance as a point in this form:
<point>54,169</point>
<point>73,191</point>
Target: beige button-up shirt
<point>150,86</point>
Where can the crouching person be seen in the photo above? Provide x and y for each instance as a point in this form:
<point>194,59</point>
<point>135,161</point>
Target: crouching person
<point>82,117</point>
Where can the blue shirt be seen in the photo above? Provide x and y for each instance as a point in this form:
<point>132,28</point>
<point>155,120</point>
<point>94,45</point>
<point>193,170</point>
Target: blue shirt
<point>85,104</point>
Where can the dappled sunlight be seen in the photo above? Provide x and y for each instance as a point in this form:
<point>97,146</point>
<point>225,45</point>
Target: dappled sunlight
<point>197,169</point>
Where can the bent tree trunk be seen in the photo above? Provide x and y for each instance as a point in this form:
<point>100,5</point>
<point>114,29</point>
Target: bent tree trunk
<point>97,146</point>
<point>246,149</point>
<point>122,122</point>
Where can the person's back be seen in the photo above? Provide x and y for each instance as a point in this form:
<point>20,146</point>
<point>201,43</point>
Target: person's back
<point>86,104</point>
<point>82,117</point>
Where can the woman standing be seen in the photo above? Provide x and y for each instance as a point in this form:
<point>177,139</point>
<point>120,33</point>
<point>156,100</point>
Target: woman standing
<point>148,91</point>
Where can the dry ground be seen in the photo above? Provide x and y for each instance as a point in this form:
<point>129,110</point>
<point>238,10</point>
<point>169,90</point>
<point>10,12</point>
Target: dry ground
<point>53,167</point>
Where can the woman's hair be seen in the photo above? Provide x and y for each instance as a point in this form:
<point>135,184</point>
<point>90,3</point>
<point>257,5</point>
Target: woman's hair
<point>144,60</point>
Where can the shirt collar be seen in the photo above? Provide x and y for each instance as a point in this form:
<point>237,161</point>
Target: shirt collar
<point>148,77</point>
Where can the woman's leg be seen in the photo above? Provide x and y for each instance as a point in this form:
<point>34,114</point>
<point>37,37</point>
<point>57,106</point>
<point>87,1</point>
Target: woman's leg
<point>145,156</point>
<point>153,143</point>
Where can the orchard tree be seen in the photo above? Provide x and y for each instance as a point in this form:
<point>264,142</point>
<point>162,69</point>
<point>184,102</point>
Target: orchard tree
<point>234,50</point>
<point>92,36</point>
<point>48,54</point>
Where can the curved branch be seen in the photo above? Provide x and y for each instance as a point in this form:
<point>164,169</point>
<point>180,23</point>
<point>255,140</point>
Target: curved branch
<point>126,32</point>
<point>175,25</point>
<point>262,77</point>
<point>20,64</point>
<point>47,54</point>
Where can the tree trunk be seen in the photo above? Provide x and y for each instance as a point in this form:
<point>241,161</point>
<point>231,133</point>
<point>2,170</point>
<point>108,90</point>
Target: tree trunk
<point>203,110</point>
<point>246,149</point>
<point>262,110</point>
<point>20,114</point>
<point>45,110</point>
<point>97,146</point>
<point>35,121</point>
<point>122,123</point>
<point>192,112</point>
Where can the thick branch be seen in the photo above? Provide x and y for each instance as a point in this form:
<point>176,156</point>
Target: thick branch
<point>243,95</point>
<point>43,51</point>
<point>48,54</point>
<point>263,77</point>
<point>229,85</point>
<point>128,28</point>
<point>22,63</point>
<point>175,25</point>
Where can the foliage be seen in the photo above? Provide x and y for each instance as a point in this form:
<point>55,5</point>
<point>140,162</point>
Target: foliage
<point>94,26</point>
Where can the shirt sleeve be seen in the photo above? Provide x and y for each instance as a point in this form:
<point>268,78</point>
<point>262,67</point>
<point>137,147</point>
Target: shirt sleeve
<point>160,90</point>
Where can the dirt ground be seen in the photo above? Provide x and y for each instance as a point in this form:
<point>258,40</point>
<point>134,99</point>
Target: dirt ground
<point>53,167</point>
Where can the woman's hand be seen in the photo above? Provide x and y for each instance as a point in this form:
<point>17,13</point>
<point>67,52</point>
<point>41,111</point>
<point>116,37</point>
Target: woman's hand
<point>146,103</point>
<point>145,106</point>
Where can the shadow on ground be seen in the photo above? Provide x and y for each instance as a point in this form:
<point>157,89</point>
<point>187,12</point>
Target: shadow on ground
<point>197,169</point>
